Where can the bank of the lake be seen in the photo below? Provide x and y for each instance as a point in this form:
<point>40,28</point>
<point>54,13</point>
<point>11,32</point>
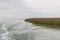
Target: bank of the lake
<point>52,22</point>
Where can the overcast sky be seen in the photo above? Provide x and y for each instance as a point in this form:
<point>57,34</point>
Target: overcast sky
<point>29,8</point>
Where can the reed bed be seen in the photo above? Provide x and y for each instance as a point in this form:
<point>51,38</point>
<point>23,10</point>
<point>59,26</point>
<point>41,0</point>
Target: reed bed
<point>46,21</point>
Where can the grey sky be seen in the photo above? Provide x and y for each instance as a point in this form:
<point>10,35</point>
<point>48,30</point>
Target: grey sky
<point>29,8</point>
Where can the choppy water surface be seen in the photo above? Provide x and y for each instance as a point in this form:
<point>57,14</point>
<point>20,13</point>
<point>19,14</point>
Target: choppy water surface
<point>21,30</point>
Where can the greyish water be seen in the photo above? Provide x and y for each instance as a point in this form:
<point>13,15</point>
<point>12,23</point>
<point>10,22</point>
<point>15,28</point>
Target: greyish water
<point>21,30</point>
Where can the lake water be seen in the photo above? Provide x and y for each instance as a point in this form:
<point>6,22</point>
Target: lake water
<point>21,30</point>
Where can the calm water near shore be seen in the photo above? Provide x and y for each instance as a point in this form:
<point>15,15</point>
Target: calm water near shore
<point>21,30</point>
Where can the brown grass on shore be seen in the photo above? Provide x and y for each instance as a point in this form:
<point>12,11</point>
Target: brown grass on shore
<point>48,21</point>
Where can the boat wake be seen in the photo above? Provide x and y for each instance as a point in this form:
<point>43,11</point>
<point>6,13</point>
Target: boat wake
<point>5,35</point>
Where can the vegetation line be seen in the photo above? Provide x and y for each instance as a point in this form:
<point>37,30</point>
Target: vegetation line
<point>48,21</point>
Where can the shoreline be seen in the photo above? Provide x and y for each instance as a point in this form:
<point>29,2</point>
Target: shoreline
<point>48,21</point>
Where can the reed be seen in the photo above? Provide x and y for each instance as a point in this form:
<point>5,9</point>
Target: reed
<point>46,21</point>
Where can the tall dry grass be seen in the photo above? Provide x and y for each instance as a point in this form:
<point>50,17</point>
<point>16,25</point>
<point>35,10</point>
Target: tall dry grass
<point>50,21</point>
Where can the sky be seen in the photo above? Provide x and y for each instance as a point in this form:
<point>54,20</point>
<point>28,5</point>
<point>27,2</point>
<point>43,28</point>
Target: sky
<point>29,8</point>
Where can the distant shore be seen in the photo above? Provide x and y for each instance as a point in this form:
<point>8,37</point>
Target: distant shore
<point>46,21</point>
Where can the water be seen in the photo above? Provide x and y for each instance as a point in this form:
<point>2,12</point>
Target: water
<point>21,30</point>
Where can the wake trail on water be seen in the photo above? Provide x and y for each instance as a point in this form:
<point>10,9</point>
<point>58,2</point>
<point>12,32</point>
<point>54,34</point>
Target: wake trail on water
<point>5,34</point>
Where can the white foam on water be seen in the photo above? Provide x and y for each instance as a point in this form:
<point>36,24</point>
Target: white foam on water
<point>5,35</point>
